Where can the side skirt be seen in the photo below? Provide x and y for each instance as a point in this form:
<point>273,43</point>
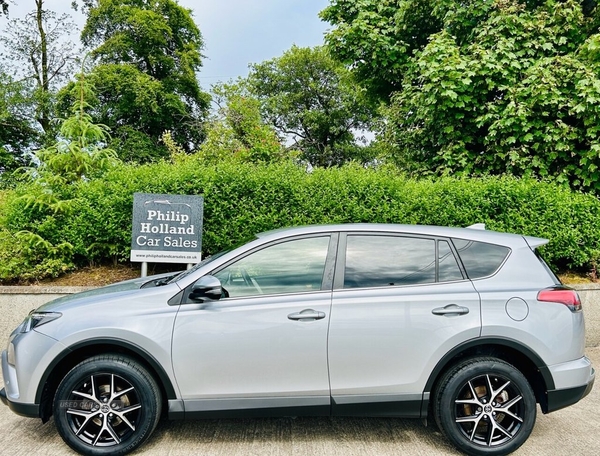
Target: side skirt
<point>409,408</point>
<point>277,412</point>
<point>378,406</point>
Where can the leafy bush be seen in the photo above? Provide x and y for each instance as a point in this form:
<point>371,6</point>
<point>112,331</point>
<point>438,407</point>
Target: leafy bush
<point>242,199</point>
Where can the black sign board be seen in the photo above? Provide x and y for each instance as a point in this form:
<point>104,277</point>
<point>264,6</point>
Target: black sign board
<point>166,228</point>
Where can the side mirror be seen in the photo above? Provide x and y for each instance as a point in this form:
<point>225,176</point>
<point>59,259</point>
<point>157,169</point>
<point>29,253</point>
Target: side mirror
<point>207,287</point>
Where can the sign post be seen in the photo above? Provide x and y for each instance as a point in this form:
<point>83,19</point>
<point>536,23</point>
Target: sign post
<point>166,229</point>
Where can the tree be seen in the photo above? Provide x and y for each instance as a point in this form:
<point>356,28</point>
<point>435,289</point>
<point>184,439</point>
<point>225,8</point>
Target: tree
<point>147,56</point>
<point>79,153</point>
<point>519,95</point>
<point>308,96</point>
<point>238,131</point>
<point>16,133</point>
<point>378,38</point>
<point>41,55</point>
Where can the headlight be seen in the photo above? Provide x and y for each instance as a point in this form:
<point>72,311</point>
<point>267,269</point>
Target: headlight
<point>35,319</point>
<point>10,357</point>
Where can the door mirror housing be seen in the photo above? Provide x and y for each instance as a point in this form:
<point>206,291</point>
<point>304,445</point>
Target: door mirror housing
<point>207,287</point>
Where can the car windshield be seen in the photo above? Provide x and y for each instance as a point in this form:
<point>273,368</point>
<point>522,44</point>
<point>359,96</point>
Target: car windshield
<point>207,260</point>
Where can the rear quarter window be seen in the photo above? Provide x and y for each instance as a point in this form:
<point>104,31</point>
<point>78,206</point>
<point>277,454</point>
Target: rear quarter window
<point>480,259</point>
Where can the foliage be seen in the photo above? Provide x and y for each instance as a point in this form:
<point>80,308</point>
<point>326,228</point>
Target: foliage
<point>134,146</point>
<point>376,38</point>
<point>242,199</point>
<point>46,202</point>
<point>238,131</point>
<point>176,152</point>
<point>148,54</point>
<point>26,256</point>
<point>16,132</point>
<point>520,96</point>
<point>308,97</point>
<point>78,155</point>
<point>80,151</point>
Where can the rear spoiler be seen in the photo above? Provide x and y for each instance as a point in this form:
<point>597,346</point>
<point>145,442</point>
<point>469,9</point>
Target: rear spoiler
<point>535,242</point>
<point>532,241</point>
<point>477,226</point>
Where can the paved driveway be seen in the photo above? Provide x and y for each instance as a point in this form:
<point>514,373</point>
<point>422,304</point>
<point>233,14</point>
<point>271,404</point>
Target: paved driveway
<point>572,431</point>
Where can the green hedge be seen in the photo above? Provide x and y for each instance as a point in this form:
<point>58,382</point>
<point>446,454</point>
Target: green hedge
<point>243,199</point>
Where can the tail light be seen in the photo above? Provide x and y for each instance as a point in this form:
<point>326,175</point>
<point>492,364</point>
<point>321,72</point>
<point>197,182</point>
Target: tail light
<point>561,295</point>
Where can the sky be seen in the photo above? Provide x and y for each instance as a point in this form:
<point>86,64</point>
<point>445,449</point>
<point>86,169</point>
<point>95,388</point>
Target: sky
<point>236,32</point>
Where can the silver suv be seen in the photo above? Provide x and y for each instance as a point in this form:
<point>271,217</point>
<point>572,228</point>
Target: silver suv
<point>465,326</point>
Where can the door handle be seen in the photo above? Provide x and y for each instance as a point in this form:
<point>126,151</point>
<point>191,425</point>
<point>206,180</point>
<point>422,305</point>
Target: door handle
<point>306,315</point>
<point>450,309</point>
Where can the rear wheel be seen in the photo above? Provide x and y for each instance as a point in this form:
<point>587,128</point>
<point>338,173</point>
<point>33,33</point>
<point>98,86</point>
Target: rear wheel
<point>108,404</point>
<point>485,406</point>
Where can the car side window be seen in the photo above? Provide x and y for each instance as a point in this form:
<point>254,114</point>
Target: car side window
<point>381,261</point>
<point>288,267</point>
<point>480,258</point>
<point>448,269</point>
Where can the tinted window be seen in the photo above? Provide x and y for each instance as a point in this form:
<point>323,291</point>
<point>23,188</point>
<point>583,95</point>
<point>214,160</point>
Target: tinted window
<point>380,261</point>
<point>288,267</point>
<point>448,266</point>
<point>479,258</point>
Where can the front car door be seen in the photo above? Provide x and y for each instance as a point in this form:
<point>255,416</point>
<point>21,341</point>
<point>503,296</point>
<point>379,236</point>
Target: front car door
<point>400,303</point>
<point>264,346</point>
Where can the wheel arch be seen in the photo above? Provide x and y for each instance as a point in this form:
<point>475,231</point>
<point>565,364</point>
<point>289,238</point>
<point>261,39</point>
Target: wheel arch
<point>521,357</point>
<point>75,354</point>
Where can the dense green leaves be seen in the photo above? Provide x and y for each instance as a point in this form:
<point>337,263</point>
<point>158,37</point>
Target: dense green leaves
<point>238,131</point>
<point>377,38</point>
<point>242,199</point>
<point>519,96</point>
<point>148,54</point>
<point>16,131</point>
<point>79,153</point>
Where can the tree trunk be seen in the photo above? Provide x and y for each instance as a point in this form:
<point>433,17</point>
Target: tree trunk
<point>44,115</point>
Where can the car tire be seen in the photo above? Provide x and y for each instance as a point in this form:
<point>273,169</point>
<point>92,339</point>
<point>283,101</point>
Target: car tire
<point>485,406</point>
<point>107,404</point>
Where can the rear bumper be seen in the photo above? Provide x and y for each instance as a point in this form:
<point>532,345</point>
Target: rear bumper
<point>562,398</point>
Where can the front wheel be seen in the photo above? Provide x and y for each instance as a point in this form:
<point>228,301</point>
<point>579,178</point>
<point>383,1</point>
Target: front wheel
<point>485,406</point>
<point>107,404</point>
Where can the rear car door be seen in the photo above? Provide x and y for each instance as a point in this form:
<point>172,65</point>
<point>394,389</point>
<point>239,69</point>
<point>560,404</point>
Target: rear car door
<point>400,303</point>
<point>264,346</point>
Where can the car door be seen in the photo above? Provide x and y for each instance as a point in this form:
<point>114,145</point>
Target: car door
<point>265,345</point>
<point>400,303</point>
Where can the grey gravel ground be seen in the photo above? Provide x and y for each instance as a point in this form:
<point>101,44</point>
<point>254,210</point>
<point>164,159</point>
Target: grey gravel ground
<point>570,432</point>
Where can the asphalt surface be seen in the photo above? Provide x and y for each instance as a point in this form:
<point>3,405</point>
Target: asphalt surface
<point>570,432</point>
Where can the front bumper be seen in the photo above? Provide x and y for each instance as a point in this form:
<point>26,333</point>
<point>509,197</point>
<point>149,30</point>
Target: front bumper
<point>28,410</point>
